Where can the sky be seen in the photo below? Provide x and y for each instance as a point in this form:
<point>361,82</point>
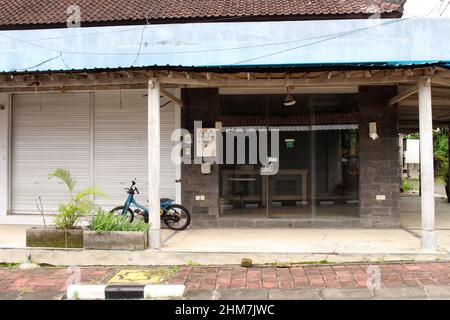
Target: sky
<point>427,8</point>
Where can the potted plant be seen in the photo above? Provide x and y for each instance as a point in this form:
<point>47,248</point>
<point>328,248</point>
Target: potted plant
<point>111,231</point>
<point>65,233</point>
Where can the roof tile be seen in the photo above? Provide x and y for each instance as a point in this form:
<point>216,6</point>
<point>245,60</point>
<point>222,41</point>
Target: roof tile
<point>53,12</point>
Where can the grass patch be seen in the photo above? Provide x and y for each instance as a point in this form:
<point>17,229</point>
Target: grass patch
<point>407,185</point>
<point>105,221</point>
<point>192,263</point>
<point>9,265</point>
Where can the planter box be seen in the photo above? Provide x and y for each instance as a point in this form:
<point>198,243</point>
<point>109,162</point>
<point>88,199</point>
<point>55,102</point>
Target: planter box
<point>51,237</point>
<point>116,240</point>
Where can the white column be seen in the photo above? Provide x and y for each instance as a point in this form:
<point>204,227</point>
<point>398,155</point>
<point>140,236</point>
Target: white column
<point>4,153</point>
<point>178,166</point>
<point>154,234</point>
<point>426,166</point>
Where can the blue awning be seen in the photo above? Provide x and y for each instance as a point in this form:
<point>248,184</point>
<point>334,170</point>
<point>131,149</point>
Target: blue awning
<point>309,44</point>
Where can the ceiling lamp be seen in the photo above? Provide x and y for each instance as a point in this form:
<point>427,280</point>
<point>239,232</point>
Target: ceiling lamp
<point>289,101</point>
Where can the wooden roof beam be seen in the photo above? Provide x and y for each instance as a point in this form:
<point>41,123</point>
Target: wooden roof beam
<point>171,97</point>
<point>403,95</point>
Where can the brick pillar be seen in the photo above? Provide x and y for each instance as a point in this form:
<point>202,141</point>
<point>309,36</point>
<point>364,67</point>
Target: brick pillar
<point>379,165</point>
<point>200,104</point>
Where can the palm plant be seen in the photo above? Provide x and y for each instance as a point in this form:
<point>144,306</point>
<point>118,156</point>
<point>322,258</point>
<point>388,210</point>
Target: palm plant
<point>79,204</point>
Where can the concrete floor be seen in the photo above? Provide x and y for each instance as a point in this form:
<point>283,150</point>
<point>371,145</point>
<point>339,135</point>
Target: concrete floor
<point>375,242</point>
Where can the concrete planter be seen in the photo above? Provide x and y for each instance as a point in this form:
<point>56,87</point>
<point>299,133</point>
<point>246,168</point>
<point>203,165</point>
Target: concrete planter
<point>51,237</point>
<point>116,240</point>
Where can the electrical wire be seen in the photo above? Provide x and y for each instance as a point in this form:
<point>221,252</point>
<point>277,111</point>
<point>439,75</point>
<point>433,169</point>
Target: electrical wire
<point>39,64</point>
<point>140,45</point>
<point>445,9</point>
<point>333,36</point>
<point>316,42</point>
<point>190,51</point>
<point>128,30</point>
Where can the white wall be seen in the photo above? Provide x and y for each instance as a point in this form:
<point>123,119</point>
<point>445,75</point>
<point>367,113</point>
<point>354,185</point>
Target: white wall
<point>412,151</point>
<point>4,147</point>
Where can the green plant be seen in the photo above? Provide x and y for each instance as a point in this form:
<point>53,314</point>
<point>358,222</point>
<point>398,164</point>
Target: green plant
<point>192,263</point>
<point>104,221</point>
<point>407,185</point>
<point>79,204</point>
<point>443,171</point>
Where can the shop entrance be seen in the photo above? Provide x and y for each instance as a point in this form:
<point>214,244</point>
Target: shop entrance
<point>312,148</point>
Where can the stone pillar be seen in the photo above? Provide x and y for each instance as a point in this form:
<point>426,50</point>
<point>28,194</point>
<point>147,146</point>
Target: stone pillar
<point>427,166</point>
<point>154,160</point>
<point>200,104</point>
<point>379,159</point>
<point>4,153</point>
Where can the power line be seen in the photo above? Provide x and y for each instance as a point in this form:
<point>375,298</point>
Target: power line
<point>140,46</point>
<point>189,51</point>
<point>446,7</point>
<point>316,42</point>
<point>328,37</point>
<point>128,30</point>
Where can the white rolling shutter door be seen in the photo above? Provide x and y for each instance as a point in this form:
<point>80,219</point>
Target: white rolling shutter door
<point>168,171</point>
<point>120,150</point>
<point>101,137</point>
<point>48,131</point>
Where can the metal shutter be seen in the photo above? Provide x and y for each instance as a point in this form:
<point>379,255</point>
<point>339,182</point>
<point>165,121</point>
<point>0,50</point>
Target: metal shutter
<point>120,150</point>
<point>48,131</point>
<point>100,137</point>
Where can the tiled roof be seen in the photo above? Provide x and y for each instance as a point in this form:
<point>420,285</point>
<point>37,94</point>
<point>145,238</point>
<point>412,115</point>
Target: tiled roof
<point>54,12</point>
<point>296,120</point>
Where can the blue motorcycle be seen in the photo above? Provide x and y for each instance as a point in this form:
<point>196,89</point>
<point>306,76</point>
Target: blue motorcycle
<point>175,216</point>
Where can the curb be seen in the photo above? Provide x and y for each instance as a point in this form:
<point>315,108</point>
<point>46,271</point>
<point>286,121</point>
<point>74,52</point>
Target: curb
<point>429,292</point>
<point>124,292</point>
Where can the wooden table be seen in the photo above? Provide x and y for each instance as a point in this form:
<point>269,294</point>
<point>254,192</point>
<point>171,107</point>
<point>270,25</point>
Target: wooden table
<point>227,175</point>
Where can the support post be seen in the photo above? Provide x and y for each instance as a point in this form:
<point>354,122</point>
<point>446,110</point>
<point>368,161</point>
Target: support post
<point>154,233</point>
<point>4,153</point>
<point>427,166</point>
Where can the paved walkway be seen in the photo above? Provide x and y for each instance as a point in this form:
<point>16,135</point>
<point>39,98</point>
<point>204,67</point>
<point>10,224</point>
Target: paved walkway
<point>322,276</point>
<point>51,283</point>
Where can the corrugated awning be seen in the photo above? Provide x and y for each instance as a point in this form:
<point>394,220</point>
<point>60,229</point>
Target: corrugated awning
<point>390,43</point>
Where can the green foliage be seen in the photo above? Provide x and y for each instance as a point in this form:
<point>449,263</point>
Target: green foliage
<point>407,185</point>
<point>78,205</point>
<point>105,221</point>
<point>65,176</point>
<point>441,143</point>
<point>443,172</point>
<point>67,216</point>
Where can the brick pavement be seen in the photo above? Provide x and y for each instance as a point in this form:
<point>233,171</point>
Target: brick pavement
<point>235,277</point>
<point>317,276</point>
<point>47,279</point>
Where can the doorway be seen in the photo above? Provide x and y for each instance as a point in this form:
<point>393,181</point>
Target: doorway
<point>316,164</point>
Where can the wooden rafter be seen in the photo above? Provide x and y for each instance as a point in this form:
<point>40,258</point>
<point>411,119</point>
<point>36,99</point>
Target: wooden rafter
<point>403,95</point>
<point>170,78</point>
<point>171,97</point>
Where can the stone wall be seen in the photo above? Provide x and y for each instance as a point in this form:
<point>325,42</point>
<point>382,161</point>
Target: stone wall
<point>200,104</point>
<point>379,159</point>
